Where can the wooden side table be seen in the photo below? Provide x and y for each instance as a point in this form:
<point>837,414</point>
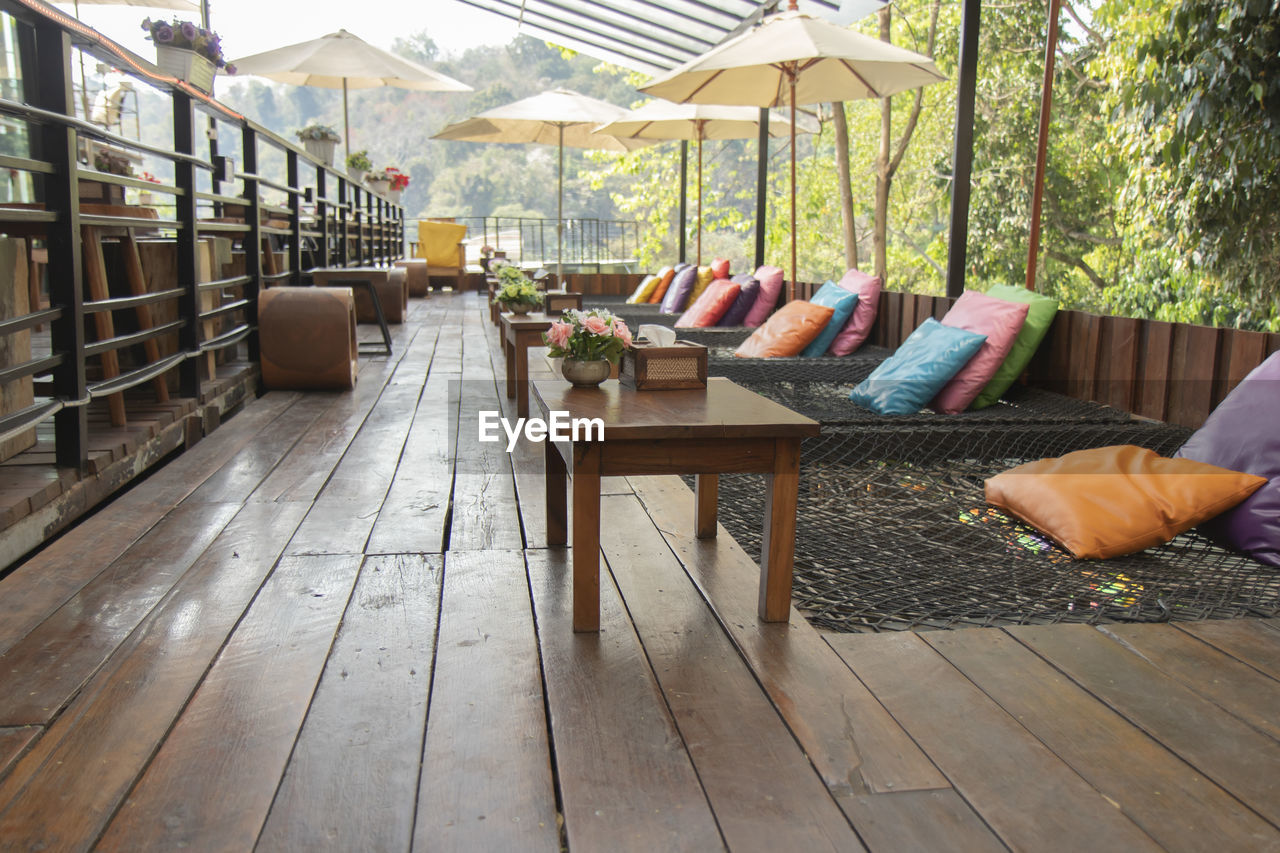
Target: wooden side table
<point>519,332</point>
<point>724,429</point>
<point>555,301</point>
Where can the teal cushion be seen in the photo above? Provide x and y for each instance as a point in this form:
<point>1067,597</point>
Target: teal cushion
<point>831,295</point>
<point>1034,328</point>
<point>926,361</point>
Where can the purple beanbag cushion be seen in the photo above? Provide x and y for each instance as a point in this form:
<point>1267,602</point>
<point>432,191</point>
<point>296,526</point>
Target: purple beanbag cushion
<point>746,298</point>
<point>678,292</point>
<point>770,279</point>
<point>864,315</point>
<point>1241,434</point>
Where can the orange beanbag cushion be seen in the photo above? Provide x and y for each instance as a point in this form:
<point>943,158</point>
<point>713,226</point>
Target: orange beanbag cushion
<point>791,328</point>
<point>1111,501</point>
<point>666,274</point>
<point>711,305</point>
<point>720,268</point>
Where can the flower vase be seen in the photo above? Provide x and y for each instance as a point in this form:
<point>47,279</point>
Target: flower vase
<point>186,65</point>
<point>321,149</point>
<point>380,186</point>
<point>393,196</point>
<point>585,374</point>
<point>518,307</point>
<point>355,175</point>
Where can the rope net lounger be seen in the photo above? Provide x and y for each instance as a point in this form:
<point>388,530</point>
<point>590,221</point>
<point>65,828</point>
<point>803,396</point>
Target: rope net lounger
<point>893,532</point>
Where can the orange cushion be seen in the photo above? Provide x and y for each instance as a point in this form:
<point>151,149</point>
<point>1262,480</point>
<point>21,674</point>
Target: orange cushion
<point>711,305</point>
<point>667,274</point>
<point>720,267</point>
<point>791,328</point>
<point>1111,501</point>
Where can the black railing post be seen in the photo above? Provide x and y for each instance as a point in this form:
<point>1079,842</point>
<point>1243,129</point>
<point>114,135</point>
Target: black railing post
<point>184,138</point>
<point>962,161</point>
<point>344,219</point>
<point>322,215</point>
<point>57,145</point>
<point>252,237</point>
<point>295,213</point>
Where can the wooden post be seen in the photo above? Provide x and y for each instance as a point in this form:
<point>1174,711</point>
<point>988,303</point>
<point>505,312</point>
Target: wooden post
<point>762,181</point>
<point>684,192</point>
<point>1042,142</point>
<point>57,146</point>
<point>962,160</point>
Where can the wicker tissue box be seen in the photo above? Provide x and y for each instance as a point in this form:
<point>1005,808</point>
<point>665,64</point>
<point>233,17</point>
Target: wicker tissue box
<point>646,367</point>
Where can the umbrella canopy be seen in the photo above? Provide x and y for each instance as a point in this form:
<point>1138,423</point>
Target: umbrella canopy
<point>666,120</point>
<point>181,5</point>
<point>344,61</point>
<point>794,58</point>
<point>559,117</point>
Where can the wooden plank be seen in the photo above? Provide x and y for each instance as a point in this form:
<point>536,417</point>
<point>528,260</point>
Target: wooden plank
<point>1247,640</point>
<point>1233,686</point>
<point>1027,795</point>
<point>486,778</point>
<point>1246,350</point>
<point>850,738</point>
<point>1195,351</point>
<point>47,667</point>
<point>626,781</point>
<point>1180,809</point>
<point>14,742</point>
<point>117,722</point>
<point>1154,367</point>
<point>918,820</point>
<point>352,781</point>
<point>44,582</point>
<point>763,789</point>
<point>1117,382</point>
<point>241,724</point>
<point>1218,745</point>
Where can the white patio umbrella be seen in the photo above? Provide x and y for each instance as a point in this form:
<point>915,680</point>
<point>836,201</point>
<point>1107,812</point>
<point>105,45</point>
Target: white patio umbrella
<point>557,117</point>
<point>795,58</point>
<point>343,61</point>
<point>661,119</point>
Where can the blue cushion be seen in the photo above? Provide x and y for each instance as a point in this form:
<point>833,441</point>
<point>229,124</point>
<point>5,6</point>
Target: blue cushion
<point>746,298</point>
<point>834,296</point>
<point>926,361</point>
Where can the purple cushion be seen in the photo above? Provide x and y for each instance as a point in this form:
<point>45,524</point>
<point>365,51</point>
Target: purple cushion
<point>770,279</point>
<point>864,315</point>
<point>678,292</point>
<point>1000,321</point>
<point>1241,434</point>
<point>746,298</point>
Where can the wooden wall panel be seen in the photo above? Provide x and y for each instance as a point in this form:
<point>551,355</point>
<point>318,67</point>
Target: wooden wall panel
<point>1118,362</point>
<point>1153,370</point>
<point>1192,368</point>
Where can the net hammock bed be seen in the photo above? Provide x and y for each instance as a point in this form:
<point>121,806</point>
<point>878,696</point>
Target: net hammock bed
<point>893,532</point>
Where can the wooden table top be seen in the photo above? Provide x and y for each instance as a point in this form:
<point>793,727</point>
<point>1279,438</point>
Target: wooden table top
<point>531,321</point>
<point>724,410</point>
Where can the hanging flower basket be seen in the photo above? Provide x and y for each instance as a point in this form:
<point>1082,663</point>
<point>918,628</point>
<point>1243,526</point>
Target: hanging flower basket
<point>186,65</point>
<point>321,149</point>
<point>381,186</point>
<point>393,196</point>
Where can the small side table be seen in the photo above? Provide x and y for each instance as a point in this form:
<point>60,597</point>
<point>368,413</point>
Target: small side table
<point>519,332</point>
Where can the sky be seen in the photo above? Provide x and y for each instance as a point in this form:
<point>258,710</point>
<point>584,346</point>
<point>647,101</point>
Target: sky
<point>252,26</point>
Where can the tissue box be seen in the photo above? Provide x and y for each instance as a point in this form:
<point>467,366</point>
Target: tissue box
<point>646,367</point>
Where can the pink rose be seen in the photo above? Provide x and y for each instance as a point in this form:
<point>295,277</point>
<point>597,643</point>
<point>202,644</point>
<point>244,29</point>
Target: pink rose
<point>558,335</point>
<point>620,330</point>
<point>595,325</point>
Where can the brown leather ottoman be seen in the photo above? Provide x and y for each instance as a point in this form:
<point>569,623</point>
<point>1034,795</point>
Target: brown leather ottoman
<point>308,337</point>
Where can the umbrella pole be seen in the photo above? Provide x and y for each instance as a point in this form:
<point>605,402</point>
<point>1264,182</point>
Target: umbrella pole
<point>684,195</point>
<point>791,286</point>
<point>699,132</point>
<point>346,122</point>
<point>560,215</point>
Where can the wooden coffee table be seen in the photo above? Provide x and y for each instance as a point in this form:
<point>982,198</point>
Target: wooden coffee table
<point>519,332</point>
<point>724,429</point>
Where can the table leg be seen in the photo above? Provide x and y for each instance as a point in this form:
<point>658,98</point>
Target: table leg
<point>522,377</point>
<point>586,538</point>
<point>557,504</point>
<point>777,548</point>
<point>707,492</point>
<point>511,369</point>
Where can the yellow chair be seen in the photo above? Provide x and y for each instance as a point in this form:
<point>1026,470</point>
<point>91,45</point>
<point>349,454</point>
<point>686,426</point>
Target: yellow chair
<point>440,243</point>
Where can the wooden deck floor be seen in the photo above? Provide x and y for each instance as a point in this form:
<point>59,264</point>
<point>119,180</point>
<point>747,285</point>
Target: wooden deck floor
<point>333,625</point>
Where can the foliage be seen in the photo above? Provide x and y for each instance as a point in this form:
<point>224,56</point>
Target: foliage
<point>359,160</point>
<point>519,293</point>
<point>588,336</point>
<point>187,36</point>
<point>318,133</point>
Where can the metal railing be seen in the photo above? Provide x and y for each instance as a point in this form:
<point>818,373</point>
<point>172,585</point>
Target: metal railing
<point>292,205</point>
<point>590,245</point>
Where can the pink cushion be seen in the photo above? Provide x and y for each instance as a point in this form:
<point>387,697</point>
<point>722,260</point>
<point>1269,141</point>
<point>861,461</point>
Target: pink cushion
<point>720,267</point>
<point>770,279</point>
<point>1000,321</point>
<point>711,305</point>
<point>855,331</point>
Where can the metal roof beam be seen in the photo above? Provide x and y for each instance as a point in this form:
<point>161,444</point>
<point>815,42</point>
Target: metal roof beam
<point>620,27</point>
<point>675,13</point>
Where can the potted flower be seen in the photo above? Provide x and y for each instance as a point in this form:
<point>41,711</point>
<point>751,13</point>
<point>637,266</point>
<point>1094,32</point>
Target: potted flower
<point>187,52</point>
<point>590,342</point>
<point>389,182</point>
<point>321,141</point>
<point>516,293</point>
<point>358,163</point>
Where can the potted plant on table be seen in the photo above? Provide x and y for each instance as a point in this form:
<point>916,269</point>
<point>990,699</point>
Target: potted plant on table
<point>590,342</point>
<point>321,141</point>
<point>389,182</point>
<point>187,52</point>
<point>516,293</point>
<point>358,164</point>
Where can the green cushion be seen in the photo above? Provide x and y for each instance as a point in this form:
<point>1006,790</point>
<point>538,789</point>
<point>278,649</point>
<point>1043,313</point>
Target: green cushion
<point>1039,317</point>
